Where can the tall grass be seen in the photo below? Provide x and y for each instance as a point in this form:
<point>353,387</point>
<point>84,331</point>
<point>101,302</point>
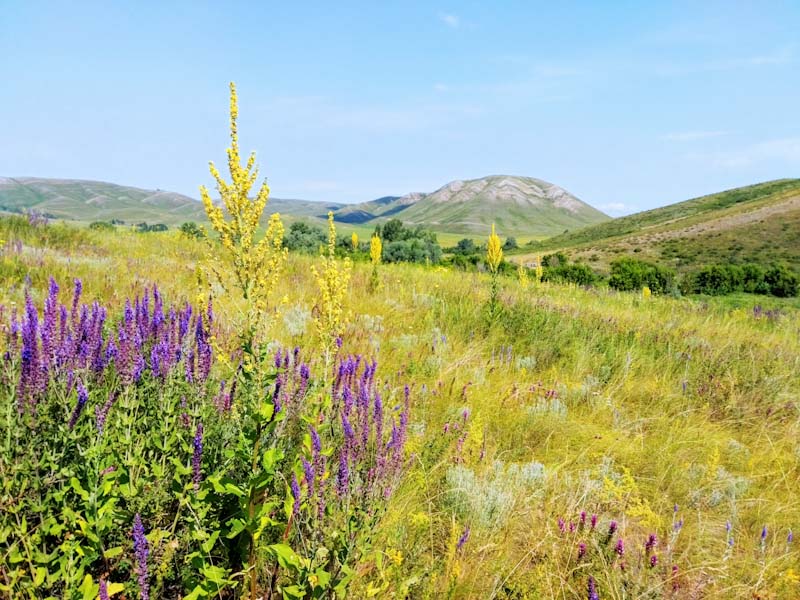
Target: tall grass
<point>570,401</point>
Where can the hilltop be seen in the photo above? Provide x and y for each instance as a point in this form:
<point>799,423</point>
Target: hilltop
<point>520,206</point>
<point>758,223</point>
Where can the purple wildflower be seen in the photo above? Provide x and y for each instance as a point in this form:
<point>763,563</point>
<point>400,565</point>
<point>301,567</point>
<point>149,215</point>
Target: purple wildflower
<point>103,590</point>
<point>141,550</point>
<point>83,397</point>
<point>561,526</point>
<point>612,528</point>
<point>101,412</point>
<point>308,471</point>
<point>650,543</point>
<point>620,547</point>
<point>295,487</point>
<point>592,589</point>
<point>343,476</point>
<point>790,537</point>
<point>581,550</point>
<point>197,455</point>
<point>594,521</point>
<point>463,539</point>
<point>653,561</point>
<point>764,534</point>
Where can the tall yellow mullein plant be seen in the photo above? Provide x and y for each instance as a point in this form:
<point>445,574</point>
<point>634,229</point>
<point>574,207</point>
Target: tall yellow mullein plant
<point>332,279</point>
<point>354,241</point>
<point>375,253</point>
<point>494,251</point>
<point>522,275</point>
<point>494,256</point>
<point>256,265</point>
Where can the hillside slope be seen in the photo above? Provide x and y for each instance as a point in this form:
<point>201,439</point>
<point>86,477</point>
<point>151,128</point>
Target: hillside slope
<point>84,200</point>
<point>758,223</point>
<point>520,206</point>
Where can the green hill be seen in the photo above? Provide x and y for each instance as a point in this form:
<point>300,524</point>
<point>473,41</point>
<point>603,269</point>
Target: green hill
<point>519,206</point>
<point>757,223</point>
<point>83,200</point>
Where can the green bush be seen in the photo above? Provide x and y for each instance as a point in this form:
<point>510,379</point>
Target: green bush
<point>630,274</point>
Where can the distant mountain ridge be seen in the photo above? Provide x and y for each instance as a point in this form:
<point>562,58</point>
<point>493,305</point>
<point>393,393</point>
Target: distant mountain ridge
<point>86,200</point>
<point>519,206</point>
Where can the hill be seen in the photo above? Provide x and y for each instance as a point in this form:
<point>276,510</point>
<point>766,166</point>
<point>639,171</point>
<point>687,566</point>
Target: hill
<point>757,223</point>
<point>84,200</point>
<point>519,206</point>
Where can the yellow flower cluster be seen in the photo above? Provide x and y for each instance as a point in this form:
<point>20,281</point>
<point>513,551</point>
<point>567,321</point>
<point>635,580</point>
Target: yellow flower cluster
<point>522,274</point>
<point>494,251</point>
<point>375,249</point>
<point>354,240</point>
<point>539,269</point>
<point>646,293</point>
<point>256,264</point>
<point>332,280</point>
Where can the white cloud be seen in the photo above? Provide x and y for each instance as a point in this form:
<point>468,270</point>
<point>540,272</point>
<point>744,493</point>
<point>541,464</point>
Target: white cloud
<point>450,20</point>
<point>784,150</point>
<point>691,136</point>
<point>441,87</point>
<point>616,208</point>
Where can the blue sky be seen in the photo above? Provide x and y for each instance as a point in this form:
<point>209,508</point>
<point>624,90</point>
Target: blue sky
<point>629,105</point>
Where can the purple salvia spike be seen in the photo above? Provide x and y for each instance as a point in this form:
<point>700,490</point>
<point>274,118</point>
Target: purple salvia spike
<point>197,456</point>
<point>343,476</point>
<point>308,471</point>
<point>463,539</point>
<point>83,397</point>
<point>295,487</point>
<point>141,550</point>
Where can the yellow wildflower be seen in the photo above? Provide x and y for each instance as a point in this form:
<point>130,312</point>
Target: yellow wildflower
<point>354,241</point>
<point>375,249</point>
<point>494,251</point>
<point>332,281</point>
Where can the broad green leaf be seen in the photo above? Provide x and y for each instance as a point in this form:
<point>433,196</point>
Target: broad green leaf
<point>209,543</point>
<point>113,552</point>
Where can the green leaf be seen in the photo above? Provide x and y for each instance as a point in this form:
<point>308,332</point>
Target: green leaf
<point>266,410</point>
<point>287,558</point>
<point>89,588</point>
<point>209,543</point>
<point>113,552</point>
<point>293,592</point>
<point>76,485</point>
<point>215,574</point>
<point>196,593</point>
<point>323,578</point>
<point>38,579</point>
<point>114,588</point>
<point>236,527</point>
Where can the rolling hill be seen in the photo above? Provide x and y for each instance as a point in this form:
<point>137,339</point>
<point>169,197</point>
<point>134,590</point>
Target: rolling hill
<point>757,223</point>
<point>84,200</point>
<point>519,206</point>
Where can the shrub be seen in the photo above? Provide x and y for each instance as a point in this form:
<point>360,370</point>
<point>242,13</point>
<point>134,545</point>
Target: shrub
<point>577,273</point>
<point>782,282</point>
<point>629,274</point>
<point>191,230</point>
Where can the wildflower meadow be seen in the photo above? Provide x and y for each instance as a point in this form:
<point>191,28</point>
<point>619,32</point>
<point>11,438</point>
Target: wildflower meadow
<point>213,416</point>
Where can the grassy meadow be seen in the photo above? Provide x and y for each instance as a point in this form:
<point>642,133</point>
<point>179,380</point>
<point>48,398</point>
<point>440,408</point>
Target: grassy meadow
<point>545,445</point>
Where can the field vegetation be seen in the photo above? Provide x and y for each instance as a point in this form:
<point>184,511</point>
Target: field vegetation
<point>215,416</point>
